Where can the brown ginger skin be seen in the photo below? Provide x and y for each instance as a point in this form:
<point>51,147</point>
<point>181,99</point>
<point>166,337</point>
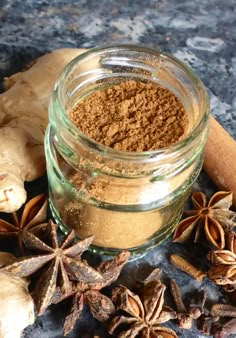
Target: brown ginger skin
<point>23,120</point>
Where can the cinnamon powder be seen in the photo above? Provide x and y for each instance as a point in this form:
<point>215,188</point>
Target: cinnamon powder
<point>131,116</point>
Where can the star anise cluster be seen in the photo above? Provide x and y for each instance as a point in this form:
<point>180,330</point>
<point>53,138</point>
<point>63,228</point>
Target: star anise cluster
<point>100,306</point>
<point>64,273</point>
<point>141,315</point>
<point>208,220</point>
<point>223,269</point>
<point>59,272</point>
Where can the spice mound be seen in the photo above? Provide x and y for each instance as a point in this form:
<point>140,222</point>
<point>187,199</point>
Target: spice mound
<point>131,116</point>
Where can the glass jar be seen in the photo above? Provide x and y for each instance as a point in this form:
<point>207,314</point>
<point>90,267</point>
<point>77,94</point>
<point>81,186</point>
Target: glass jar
<point>127,200</point>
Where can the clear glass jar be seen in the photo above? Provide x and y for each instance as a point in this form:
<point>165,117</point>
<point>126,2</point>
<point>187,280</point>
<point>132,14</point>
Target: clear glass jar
<point>127,200</point>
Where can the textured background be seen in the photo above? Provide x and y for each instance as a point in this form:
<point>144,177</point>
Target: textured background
<point>201,33</point>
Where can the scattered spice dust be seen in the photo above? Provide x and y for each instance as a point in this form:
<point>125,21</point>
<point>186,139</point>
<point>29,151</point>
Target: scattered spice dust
<point>132,116</point>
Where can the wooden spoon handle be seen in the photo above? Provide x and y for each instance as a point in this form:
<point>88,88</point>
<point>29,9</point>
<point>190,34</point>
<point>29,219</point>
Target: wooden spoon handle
<point>220,158</point>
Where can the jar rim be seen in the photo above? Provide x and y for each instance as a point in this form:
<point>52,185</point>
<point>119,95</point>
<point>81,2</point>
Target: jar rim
<point>129,155</point>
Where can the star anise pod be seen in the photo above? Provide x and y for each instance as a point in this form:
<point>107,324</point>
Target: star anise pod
<point>212,219</point>
<point>100,305</point>
<point>155,275</point>
<point>141,315</point>
<point>223,270</point>
<point>60,263</point>
<point>31,218</point>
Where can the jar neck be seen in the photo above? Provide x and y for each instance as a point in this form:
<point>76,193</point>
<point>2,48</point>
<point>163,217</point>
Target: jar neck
<point>101,67</point>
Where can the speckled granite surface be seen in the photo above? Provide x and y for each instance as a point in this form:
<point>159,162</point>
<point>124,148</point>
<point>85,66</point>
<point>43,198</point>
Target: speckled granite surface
<point>201,33</point>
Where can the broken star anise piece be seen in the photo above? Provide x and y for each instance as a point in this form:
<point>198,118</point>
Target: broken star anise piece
<point>31,218</point>
<point>99,305</point>
<point>212,219</point>
<point>141,315</point>
<point>223,269</point>
<point>60,261</point>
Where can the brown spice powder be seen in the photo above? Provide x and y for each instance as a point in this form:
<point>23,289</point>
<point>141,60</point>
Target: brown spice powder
<point>132,116</point>
<point>120,229</point>
<point>129,116</point>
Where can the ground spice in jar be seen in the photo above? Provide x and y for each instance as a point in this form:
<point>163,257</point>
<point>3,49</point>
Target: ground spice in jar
<point>131,116</point>
<point>120,229</point>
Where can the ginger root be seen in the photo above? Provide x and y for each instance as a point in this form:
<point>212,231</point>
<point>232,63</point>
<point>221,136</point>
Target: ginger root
<point>16,304</point>
<point>23,120</point>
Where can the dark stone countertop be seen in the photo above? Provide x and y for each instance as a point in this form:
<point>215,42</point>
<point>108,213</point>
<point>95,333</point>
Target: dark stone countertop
<point>201,33</point>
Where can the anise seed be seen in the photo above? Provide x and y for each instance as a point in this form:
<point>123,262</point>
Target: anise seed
<point>134,305</point>
<point>214,233</point>
<point>226,258</point>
